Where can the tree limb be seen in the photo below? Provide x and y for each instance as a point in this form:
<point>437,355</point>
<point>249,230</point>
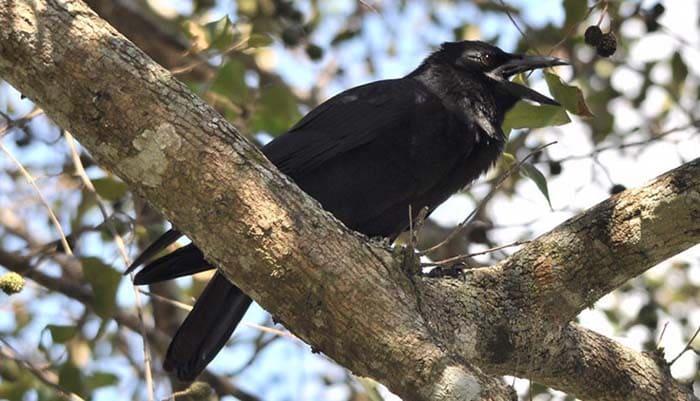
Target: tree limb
<point>352,299</point>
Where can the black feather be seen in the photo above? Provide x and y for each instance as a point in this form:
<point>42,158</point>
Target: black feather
<point>155,248</point>
<point>206,329</point>
<point>184,261</point>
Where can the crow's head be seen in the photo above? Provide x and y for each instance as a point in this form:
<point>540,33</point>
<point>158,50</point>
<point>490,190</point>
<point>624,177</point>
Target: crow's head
<point>490,62</point>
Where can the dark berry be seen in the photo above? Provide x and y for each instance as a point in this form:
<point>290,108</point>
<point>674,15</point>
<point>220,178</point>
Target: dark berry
<point>314,52</point>
<point>296,16</point>
<point>651,17</point>
<point>648,315</point>
<point>23,141</point>
<point>617,188</point>
<point>478,234</point>
<point>554,168</point>
<point>592,35</point>
<point>285,8</point>
<point>651,23</point>
<point>658,9</point>
<point>291,36</point>
<point>607,45</point>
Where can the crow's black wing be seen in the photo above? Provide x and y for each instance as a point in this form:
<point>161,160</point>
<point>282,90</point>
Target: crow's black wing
<point>346,121</point>
<point>369,153</point>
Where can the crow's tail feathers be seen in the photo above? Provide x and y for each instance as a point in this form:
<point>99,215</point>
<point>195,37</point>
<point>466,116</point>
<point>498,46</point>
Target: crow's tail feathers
<point>214,317</point>
<point>185,261</point>
<point>161,243</point>
<point>206,329</point>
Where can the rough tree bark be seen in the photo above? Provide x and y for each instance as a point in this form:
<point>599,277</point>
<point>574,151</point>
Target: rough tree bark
<point>356,301</point>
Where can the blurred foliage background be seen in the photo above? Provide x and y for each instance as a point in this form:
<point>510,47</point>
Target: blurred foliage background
<point>77,326</point>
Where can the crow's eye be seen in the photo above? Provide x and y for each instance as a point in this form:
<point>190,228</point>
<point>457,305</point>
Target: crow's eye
<point>487,59</point>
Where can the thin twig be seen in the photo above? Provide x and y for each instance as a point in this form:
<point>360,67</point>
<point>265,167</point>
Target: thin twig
<point>371,7</point>
<point>661,336</point>
<point>177,304</point>
<point>31,181</point>
<point>188,308</point>
<point>80,170</point>
<point>601,149</point>
<point>485,199</point>
<point>602,14</point>
<point>515,23</point>
<point>467,256</point>
<point>20,122</point>
<point>411,234</point>
<point>418,225</point>
<point>203,59</point>
<point>280,333</point>
<point>48,378</point>
<point>688,347</point>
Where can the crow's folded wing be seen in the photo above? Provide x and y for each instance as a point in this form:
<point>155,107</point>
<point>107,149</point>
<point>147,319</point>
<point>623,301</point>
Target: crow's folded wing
<point>369,153</point>
<point>349,120</point>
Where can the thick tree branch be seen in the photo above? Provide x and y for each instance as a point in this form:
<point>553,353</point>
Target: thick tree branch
<point>535,293</point>
<point>345,296</point>
<point>574,265</point>
<point>177,152</point>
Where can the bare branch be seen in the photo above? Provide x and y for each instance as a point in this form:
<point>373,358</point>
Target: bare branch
<point>47,377</point>
<point>42,199</point>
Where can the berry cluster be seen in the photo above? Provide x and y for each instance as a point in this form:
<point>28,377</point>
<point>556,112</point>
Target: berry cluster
<point>295,32</point>
<point>604,43</point>
<point>11,283</point>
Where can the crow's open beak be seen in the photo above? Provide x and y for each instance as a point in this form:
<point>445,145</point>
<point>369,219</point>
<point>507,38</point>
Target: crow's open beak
<point>521,63</point>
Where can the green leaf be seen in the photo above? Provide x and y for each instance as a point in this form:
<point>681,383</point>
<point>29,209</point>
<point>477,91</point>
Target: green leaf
<point>110,188</point>
<point>61,334</point>
<point>519,79</point>
<point>371,389</point>
<point>101,379</point>
<point>679,73</point>
<point>343,36</point>
<point>221,33</point>
<point>104,281</point>
<point>16,389</point>
<point>575,11</point>
<point>678,68</point>
<point>531,172</point>
<point>247,8</point>
<point>508,159</point>
<point>230,82</point>
<point>199,36</point>
<point>259,40</point>
<point>569,96</point>
<point>70,378</point>
<point>602,124</point>
<point>276,110</point>
<point>526,115</point>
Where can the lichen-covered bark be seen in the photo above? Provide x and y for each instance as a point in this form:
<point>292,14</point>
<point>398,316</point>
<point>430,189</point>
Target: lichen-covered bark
<point>347,297</point>
<point>588,256</point>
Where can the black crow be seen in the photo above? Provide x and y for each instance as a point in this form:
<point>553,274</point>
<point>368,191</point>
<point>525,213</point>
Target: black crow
<point>366,155</point>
